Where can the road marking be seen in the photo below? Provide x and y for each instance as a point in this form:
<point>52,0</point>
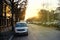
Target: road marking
<point>11,37</point>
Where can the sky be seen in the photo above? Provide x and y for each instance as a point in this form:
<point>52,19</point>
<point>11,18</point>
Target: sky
<point>33,6</point>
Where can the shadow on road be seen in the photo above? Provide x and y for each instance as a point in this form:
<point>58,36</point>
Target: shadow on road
<point>20,35</point>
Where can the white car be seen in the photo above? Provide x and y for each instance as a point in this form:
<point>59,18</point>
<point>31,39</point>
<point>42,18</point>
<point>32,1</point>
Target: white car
<point>21,27</point>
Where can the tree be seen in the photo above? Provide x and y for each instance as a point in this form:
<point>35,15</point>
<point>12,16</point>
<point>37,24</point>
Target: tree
<point>51,15</point>
<point>14,5</point>
<point>43,15</point>
<point>1,11</point>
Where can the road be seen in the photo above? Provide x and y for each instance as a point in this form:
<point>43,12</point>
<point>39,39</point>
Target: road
<point>40,33</point>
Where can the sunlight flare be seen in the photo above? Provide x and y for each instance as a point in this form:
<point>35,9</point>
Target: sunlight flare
<point>33,7</point>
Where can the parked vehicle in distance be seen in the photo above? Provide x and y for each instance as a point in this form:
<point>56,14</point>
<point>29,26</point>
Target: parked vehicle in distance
<point>21,27</point>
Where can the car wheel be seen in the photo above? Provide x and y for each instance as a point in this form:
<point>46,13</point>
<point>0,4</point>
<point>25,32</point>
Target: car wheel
<point>26,33</point>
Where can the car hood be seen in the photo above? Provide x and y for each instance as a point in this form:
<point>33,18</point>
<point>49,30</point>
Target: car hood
<point>21,27</point>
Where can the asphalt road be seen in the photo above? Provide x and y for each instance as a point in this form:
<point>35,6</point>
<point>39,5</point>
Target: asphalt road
<point>39,33</point>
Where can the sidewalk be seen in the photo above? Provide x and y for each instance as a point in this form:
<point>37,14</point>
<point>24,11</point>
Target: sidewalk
<point>5,35</point>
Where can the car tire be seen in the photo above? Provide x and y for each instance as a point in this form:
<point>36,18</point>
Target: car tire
<point>26,33</point>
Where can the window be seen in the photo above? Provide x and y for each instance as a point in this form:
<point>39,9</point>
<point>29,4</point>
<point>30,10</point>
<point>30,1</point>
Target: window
<point>21,25</point>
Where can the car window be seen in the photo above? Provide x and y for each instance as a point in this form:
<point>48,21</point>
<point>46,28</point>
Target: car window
<point>21,25</point>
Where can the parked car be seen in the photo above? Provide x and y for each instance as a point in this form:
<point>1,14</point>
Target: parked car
<point>21,27</point>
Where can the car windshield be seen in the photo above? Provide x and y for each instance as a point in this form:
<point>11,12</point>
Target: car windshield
<point>21,25</point>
